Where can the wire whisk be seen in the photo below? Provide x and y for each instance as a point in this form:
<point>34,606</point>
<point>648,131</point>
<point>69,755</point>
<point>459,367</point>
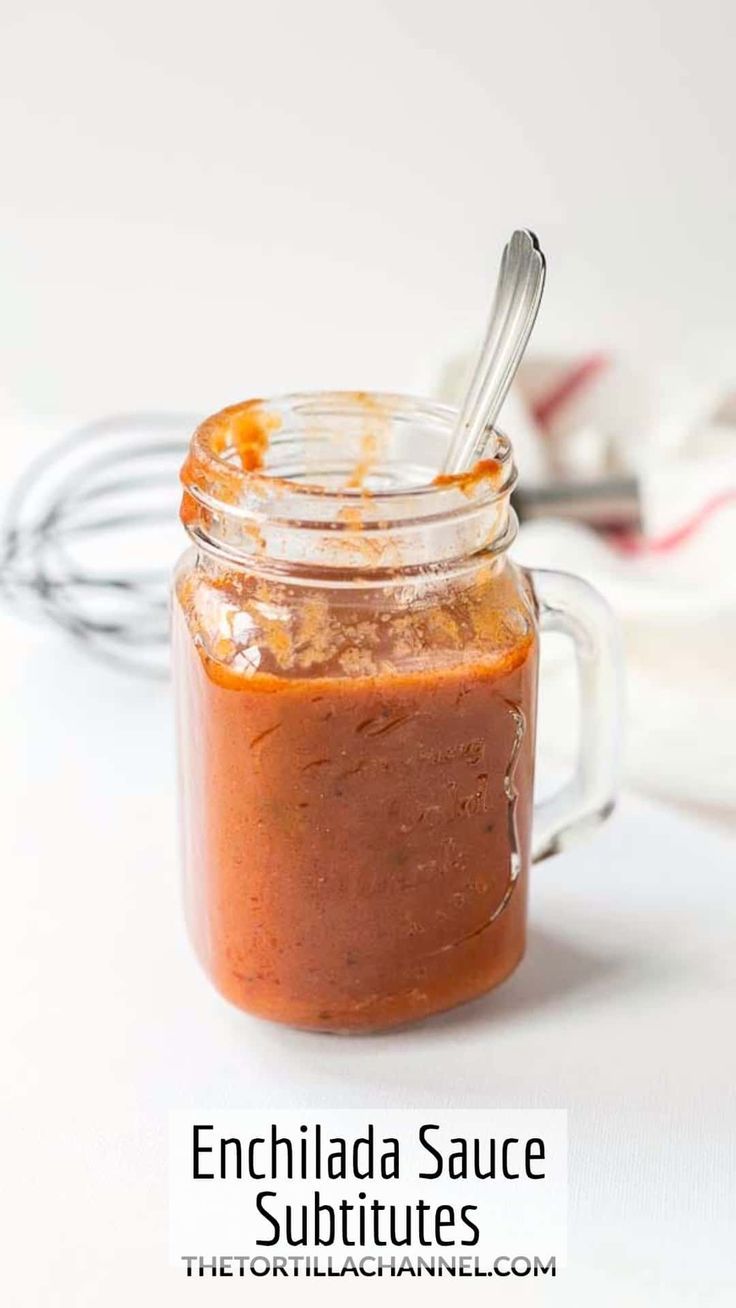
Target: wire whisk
<point>91,532</point>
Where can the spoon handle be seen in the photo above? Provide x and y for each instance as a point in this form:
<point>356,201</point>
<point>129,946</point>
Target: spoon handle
<point>515,308</point>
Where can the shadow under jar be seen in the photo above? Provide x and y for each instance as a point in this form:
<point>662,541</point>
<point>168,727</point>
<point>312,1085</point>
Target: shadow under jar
<point>356,670</point>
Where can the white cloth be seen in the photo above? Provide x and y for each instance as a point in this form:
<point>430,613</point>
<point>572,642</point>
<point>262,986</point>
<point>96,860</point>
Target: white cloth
<point>675,590</point>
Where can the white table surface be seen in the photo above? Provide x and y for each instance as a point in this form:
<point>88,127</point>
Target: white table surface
<point>623,1012</point>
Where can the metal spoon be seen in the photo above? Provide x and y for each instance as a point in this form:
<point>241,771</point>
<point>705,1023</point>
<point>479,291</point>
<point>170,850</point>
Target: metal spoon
<point>514,312</point>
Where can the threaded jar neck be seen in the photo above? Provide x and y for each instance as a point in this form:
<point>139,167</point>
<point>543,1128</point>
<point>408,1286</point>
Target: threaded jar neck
<point>345,485</point>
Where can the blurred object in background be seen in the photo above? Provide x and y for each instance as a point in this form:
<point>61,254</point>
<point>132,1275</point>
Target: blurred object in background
<point>91,532</point>
<point>595,432</point>
<point>669,439</point>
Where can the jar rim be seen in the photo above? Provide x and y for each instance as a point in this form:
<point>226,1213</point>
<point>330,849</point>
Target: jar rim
<point>256,465</point>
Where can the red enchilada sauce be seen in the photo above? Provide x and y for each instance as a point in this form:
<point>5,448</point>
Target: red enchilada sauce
<point>357,789</point>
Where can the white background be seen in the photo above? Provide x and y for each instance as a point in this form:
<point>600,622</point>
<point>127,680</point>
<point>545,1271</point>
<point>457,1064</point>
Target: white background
<point>201,203</point>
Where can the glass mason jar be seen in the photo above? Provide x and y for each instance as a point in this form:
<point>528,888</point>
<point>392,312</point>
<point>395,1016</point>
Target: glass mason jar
<point>356,670</point>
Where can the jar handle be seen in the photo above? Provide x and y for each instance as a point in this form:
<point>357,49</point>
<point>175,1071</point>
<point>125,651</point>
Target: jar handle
<point>569,605</point>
